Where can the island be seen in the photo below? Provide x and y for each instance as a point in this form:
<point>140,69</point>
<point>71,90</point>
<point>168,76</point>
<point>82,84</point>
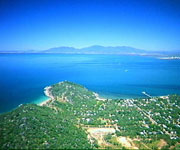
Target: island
<point>77,118</point>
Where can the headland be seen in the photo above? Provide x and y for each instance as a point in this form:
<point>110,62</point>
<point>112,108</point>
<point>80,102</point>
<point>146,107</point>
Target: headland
<point>74,113</point>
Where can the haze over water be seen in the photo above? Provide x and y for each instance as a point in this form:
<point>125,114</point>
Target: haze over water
<point>24,76</point>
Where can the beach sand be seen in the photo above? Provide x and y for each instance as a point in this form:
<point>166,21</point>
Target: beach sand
<point>48,94</point>
<point>99,98</point>
<point>45,102</point>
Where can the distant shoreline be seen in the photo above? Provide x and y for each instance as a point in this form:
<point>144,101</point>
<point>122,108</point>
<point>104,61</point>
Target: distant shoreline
<point>157,56</point>
<point>97,49</point>
<point>170,58</point>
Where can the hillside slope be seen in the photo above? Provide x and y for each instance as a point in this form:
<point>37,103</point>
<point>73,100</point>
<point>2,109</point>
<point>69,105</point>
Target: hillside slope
<point>77,118</point>
<point>31,126</point>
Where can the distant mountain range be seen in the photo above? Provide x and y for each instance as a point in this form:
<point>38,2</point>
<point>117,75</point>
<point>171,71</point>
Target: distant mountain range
<point>97,49</point>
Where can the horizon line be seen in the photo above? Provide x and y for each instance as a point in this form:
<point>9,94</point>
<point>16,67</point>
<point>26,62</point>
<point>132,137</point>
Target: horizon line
<point>31,49</point>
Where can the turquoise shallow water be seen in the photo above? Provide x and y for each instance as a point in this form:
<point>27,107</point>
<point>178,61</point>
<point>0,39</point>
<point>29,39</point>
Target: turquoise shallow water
<point>24,76</point>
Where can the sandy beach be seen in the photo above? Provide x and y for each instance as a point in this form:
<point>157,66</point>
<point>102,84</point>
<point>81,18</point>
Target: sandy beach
<point>44,102</point>
<point>48,94</point>
<point>98,98</point>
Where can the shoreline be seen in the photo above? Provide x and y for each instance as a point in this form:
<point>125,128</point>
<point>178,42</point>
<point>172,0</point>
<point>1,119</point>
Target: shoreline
<point>170,58</point>
<point>99,98</point>
<point>44,102</point>
<point>127,98</point>
<point>51,98</point>
<point>48,94</point>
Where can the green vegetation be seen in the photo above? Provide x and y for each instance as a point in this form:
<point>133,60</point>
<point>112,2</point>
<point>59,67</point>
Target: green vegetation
<point>62,123</point>
<point>31,126</point>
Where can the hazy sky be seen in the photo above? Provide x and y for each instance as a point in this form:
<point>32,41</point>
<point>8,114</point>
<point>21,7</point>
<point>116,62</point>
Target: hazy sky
<point>42,24</point>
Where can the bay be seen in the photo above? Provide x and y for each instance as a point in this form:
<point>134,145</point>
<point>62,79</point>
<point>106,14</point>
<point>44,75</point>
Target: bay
<point>24,76</point>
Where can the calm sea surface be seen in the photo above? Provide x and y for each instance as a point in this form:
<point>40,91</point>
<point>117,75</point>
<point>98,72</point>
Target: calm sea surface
<point>24,76</point>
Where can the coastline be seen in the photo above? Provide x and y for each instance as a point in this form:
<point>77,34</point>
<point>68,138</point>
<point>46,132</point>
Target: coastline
<point>44,102</point>
<point>99,98</point>
<point>169,58</point>
<point>50,98</point>
<point>48,94</point>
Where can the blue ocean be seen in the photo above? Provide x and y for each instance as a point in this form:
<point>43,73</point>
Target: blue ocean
<point>24,76</point>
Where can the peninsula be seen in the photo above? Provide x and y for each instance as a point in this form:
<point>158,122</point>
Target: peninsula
<point>76,118</point>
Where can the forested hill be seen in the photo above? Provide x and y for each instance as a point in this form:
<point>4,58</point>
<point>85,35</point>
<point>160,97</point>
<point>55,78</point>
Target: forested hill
<point>31,127</point>
<point>76,118</point>
<point>71,92</point>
